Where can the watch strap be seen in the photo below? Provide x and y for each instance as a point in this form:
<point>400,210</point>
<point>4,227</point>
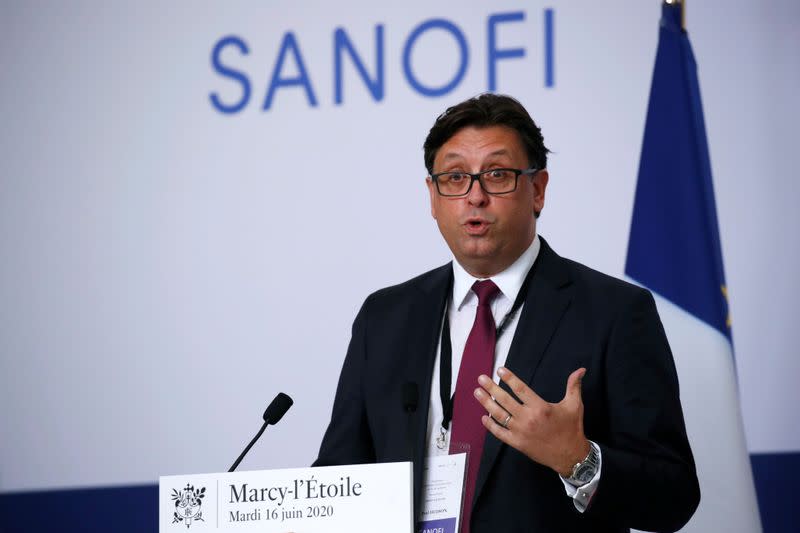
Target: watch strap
<point>584,471</point>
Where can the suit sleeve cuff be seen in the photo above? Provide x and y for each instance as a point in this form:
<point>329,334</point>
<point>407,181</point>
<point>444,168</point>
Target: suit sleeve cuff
<point>582,496</point>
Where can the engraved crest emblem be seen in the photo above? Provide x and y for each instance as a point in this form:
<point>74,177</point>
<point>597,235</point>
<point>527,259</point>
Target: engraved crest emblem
<point>188,505</point>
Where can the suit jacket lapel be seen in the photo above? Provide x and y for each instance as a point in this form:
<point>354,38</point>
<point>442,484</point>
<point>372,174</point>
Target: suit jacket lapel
<point>544,308</point>
<point>425,322</point>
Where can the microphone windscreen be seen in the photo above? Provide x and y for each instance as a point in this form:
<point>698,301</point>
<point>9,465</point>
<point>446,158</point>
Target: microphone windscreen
<point>410,396</point>
<point>277,408</point>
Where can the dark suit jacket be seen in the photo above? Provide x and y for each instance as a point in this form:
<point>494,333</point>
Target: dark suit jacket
<point>573,317</point>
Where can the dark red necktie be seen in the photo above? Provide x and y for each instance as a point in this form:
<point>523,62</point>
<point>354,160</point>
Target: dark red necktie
<point>478,359</point>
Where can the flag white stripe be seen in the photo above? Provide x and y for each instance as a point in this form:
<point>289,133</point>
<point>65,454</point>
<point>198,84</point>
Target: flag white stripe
<point>710,399</point>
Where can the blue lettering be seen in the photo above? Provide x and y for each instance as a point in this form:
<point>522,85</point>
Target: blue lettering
<point>372,72</point>
<point>506,53</point>
<point>549,64</point>
<point>462,68</point>
<point>230,73</point>
<point>341,43</point>
<point>289,45</point>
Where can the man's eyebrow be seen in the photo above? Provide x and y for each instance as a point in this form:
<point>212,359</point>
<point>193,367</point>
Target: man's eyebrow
<point>501,151</point>
<point>452,155</point>
<point>457,155</point>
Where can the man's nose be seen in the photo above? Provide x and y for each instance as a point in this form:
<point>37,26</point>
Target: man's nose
<point>476,195</point>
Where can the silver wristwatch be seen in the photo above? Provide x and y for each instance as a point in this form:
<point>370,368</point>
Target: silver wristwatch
<point>583,472</point>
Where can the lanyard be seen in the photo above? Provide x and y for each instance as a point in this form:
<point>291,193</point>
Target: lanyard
<point>446,356</point>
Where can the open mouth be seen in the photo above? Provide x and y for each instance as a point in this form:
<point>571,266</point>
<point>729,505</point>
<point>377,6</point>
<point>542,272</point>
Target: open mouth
<point>476,226</point>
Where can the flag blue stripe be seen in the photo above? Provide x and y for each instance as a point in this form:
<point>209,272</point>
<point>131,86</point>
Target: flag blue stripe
<point>674,247</point>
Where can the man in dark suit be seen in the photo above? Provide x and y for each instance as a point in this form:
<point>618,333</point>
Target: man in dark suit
<point>584,431</point>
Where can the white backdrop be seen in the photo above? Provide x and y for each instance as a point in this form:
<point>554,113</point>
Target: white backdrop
<point>167,268</point>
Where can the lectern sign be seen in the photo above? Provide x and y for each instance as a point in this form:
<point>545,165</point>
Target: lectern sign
<point>326,499</point>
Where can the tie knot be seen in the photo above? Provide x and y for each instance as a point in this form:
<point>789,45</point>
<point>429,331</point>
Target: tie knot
<point>486,291</point>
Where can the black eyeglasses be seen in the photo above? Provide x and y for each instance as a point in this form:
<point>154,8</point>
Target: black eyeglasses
<point>494,181</point>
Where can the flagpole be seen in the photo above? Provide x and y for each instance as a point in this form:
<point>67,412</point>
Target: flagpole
<point>681,3</point>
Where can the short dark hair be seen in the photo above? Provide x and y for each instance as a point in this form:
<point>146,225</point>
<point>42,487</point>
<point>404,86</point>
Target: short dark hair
<point>483,111</point>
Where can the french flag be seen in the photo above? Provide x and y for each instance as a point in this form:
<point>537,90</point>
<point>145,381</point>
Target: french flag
<point>674,250</point>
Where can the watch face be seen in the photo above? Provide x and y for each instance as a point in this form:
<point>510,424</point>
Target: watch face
<point>585,473</point>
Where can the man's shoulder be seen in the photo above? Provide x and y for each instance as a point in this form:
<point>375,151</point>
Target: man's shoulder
<point>590,278</point>
<point>433,280</point>
<point>587,280</point>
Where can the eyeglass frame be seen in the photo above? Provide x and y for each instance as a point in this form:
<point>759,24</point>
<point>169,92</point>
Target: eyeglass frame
<point>532,171</point>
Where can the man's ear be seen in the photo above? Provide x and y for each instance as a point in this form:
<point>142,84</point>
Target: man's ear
<point>539,182</point>
<point>432,192</point>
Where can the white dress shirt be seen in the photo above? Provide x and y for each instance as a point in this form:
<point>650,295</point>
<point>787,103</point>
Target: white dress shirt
<point>461,311</point>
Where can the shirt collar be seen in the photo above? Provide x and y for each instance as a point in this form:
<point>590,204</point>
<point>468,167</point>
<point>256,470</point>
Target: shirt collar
<point>509,281</point>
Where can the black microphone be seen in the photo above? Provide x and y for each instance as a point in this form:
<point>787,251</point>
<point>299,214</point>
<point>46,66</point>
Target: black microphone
<point>410,393</point>
<point>275,411</point>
